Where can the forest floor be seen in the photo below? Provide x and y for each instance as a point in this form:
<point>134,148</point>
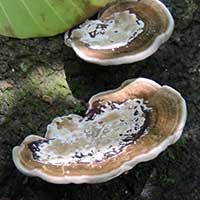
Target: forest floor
<point>42,78</point>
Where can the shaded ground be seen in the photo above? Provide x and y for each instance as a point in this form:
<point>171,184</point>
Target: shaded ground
<point>33,91</point>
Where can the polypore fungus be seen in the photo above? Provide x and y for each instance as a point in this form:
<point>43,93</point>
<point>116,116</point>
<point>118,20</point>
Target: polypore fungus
<point>122,128</point>
<point>125,32</point>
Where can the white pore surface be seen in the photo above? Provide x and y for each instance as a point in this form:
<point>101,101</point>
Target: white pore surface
<point>90,141</point>
<point>117,31</point>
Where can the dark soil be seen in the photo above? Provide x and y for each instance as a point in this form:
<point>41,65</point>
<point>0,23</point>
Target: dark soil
<point>34,90</point>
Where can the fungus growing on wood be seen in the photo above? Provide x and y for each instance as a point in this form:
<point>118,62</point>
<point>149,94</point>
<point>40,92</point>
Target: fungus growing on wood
<point>125,32</point>
<point>121,128</point>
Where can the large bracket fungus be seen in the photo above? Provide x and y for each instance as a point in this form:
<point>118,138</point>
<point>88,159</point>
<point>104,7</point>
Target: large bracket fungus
<point>125,32</point>
<point>121,128</point>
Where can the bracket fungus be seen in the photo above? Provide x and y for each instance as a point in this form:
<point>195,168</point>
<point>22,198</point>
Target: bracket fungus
<point>125,32</point>
<point>122,128</point>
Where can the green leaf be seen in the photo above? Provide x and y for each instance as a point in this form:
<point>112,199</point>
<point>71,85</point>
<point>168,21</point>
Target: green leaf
<point>39,18</point>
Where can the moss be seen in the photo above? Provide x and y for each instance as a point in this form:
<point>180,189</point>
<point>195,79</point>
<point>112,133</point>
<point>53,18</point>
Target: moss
<point>79,109</point>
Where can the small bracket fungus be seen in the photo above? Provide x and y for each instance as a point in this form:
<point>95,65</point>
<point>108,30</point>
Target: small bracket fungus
<point>121,128</point>
<point>125,32</point>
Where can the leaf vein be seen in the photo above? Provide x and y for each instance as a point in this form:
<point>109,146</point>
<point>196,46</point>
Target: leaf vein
<point>31,15</point>
<point>6,14</point>
<point>55,12</point>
